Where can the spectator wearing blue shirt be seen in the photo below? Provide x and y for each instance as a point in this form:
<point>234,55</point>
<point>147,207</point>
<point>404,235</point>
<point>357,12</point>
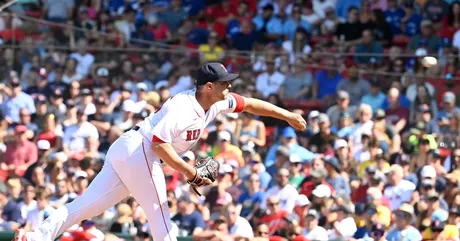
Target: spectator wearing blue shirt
<point>410,24</point>
<point>18,100</point>
<point>288,139</point>
<point>368,46</point>
<point>257,167</point>
<point>290,25</point>
<point>251,199</point>
<point>393,16</point>
<point>335,178</point>
<point>426,39</point>
<point>245,38</point>
<point>327,80</point>
<point>242,11</point>
<point>375,98</point>
<point>11,211</point>
<point>268,27</point>
<point>174,16</point>
<point>404,231</point>
<point>188,220</point>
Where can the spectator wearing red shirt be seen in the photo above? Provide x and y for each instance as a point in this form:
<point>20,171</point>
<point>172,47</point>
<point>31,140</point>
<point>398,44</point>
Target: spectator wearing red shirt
<point>396,114</point>
<point>276,218</point>
<point>20,154</point>
<point>318,177</point>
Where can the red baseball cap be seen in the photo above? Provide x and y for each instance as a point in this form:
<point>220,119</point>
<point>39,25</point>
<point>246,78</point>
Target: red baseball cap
<point>20,129</point>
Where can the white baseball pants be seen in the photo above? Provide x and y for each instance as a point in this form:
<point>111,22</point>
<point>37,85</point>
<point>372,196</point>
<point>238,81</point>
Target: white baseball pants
<point>126,170</point>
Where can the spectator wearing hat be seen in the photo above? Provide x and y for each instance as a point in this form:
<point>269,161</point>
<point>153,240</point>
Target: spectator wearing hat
<point>335,178</point>
<point>396,114</point>
<point>404,216</point>
<point>86,102</point>
<point>375,98</point>
<point>301,208</point>
<point>250,200</point>
<point>275,218</point>
<point>343,105</point>
<point>38,82</point>
<point>74,139</point>
<point>57,106</point>
<point>375,197</point>
<point>424,114</point>
<point>317,177</point>
<point>323,141</point>
<point>188,219</point>
<point>257,167</point>
<point>312,230</point>
<point>12,105</point>
<point>220,125</point>
<point>355,88</point>
<point>285,192</point>
<point>19,154</point>
<point>288,139</point>
<point>448,105</point>
<point>344,226</point>
<point>425,38</point>
<point>398,190</point>
<point>345,127</point>
<point>227,152</point>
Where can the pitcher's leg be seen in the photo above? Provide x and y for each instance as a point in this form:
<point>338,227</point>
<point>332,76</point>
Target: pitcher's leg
<point>104,191</point>
<point>146,183</point>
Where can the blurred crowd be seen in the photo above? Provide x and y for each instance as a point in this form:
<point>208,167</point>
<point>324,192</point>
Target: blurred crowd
<point>380,159</point>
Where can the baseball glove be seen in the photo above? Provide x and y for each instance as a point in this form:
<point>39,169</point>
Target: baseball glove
<point>205,168</point>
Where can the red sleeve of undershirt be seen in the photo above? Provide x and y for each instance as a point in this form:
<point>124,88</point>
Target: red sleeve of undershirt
<point>157,139</point>
<point>239,102</point>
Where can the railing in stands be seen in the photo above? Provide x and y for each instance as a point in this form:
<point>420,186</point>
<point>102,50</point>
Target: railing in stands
<point>8,236</point>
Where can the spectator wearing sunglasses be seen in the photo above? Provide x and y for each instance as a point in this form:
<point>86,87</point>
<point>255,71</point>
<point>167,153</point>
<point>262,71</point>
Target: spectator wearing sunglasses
<point>404,231</point>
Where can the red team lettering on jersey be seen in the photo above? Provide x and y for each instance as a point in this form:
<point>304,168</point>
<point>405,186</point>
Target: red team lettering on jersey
<point>193,135</point>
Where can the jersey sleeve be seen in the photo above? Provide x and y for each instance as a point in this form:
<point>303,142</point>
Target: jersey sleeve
<point>232,103</point>
<point>164,131</point>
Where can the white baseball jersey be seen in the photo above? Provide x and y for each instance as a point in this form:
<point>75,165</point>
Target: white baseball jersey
<point>181,120</point>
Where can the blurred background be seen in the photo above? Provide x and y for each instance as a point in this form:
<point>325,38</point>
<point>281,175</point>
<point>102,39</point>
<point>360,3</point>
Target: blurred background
<point>380,159</point>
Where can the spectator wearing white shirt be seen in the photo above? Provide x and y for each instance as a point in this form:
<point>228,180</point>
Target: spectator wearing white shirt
<point>344,226</point>
<point>286,193</point>
<point>398,191</point>
<point>312,230</point>
<point>75,136</point>
<point>270,81</point>
<point>364,125</point>
<point>237,225</point>
<point>36,216</point>
<point>28,203</point>
<point>85,59</point>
